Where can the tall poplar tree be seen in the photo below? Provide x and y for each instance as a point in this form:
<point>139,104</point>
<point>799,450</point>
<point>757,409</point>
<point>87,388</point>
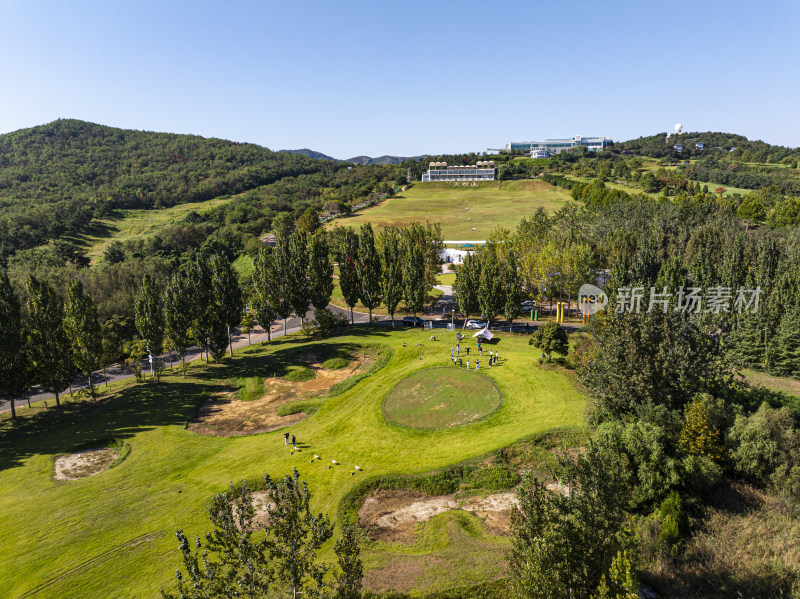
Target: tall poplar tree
<point>368,269</point>
<point>283,264</point>
<point>491,297</point>
<point>466,286</point>
<point>512,288</point>
<point>199,299</point>
<point>227,295</point>
<point>297,275</point>
<point>391,269</point>
<point>320,271</point>
<point>265,298</point>
<point>50,351</point>
<point>83,330</point>
<point>177,316</point>
<point>347,256</point>
<point>150,321</point>
<point>414,290</point>
<point>13,380</point>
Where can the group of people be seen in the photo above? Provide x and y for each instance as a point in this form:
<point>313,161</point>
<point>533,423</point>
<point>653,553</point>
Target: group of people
<point>455,355</point>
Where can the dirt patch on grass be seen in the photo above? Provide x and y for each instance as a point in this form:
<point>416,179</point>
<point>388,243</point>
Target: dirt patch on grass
<point>83,463</point>
<point>224,415</point>
<point>393,515</point>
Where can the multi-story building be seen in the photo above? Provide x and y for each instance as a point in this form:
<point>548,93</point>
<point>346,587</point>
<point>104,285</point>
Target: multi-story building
<point>480,171</point>
<point>554,146</point>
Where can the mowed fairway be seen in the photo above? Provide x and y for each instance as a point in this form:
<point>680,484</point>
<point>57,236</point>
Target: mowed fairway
<point>136,224</point>
<point>489,205</point>
<point>112,534</point>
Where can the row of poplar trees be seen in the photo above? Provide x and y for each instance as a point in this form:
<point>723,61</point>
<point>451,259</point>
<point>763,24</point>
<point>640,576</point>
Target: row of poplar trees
<point>203,301</point>
<point>57,341</point>
<point>488,283</point>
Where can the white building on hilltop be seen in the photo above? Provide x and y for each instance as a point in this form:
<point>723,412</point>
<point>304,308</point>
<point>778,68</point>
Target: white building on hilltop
<point>554,146</point>
<point>480,171</point>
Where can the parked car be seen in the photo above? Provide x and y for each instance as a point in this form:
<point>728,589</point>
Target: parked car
<point>413,321</point>
<point>476,324</point>
<point>527,305</point>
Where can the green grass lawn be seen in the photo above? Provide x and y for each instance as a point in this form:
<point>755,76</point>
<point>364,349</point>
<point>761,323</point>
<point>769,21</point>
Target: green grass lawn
<point>489,204</point>
<point>135,224</point>
<point>112,534</point>
<point>337,299</point>
<point>441,397</point>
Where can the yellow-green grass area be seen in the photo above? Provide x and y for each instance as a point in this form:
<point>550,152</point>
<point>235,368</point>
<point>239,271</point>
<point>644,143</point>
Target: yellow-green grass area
<point>112,534</point>
<point>441,397</point>
<point>773,383</point>
<point>448,278</point>
<point>125,225</point>
<point>490,204</point>
<point>337,299</point>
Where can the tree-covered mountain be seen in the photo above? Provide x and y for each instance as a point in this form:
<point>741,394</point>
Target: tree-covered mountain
<point>309,153</point>
<point>383,160</point>
<point>738,146</point>
<point>55,178</point>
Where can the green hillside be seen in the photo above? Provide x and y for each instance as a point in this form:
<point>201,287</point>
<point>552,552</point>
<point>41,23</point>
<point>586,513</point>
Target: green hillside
<point>490,204</point>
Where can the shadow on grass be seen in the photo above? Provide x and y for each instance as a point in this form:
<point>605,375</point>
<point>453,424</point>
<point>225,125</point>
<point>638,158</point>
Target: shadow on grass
<point>120,416</point>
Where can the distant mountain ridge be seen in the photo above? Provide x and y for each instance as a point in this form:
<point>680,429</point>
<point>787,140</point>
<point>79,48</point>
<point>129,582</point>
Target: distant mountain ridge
<point>309,153</point>
<point>381,160</point>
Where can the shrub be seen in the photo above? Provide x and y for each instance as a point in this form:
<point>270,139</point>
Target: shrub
<point>299,374</point>
<point>671,516</point>
<point>336,363</point>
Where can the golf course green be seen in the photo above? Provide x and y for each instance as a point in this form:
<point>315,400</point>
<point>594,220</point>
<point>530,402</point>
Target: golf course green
<point>112,534</point>
<point>441,397</point>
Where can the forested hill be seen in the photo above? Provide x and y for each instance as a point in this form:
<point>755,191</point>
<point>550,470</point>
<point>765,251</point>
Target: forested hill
<point>739,147</point>
<point>309,153</point>
<point>55,178</point>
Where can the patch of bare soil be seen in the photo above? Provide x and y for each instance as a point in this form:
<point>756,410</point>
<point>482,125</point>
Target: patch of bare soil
<point>224,415</point>
<point>393,515</point>
<point>84,463</point>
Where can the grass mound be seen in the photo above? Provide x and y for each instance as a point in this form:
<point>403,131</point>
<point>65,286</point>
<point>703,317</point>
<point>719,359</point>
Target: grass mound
<point>299,374</point>
<point>336,363</point>
<point>441,398</point>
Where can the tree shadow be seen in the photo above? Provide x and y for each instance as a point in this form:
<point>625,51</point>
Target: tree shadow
<point>119,416</point>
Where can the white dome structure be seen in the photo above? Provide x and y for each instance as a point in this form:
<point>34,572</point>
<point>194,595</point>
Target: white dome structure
<point>678,129</point>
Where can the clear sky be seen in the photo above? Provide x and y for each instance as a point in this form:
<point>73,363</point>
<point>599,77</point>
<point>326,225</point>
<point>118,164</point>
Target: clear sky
<point>405,78</point>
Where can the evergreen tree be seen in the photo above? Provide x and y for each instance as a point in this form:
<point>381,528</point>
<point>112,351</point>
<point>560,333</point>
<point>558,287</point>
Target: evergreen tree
<point>50,350</point>
<point>466,286</point>
<point>265,297</point>
<point>391,269</point>
<point>347,255</point>
<point>491,298</point>
<point>226,293</point>
<point>13,368</point>
<point>320,271</point>
<point>297,275</point>
<point>414,291</point>
<point>150,321</point>
<point>368,270</point>
<point>177,318</point>
<point>785,346</point>
<point>83,330</point>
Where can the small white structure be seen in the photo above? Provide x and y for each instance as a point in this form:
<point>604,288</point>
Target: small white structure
<point>485,333</point>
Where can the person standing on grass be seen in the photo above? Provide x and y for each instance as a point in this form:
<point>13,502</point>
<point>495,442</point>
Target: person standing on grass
<point>458,349</point>
<point>294,445</point>
<point>286,438</point>
<point>460,363</point>
<point>477,364</point>
<point>468,350</point>
<point>451,352</point>
<point>467,364</point>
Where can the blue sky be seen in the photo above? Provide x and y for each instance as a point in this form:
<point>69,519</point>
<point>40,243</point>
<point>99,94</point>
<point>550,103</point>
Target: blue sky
<point>404,78</point>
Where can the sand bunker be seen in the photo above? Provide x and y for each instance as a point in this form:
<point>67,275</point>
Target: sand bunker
<point>224,415</point>
<point>84,463</point>
<point>393,515</point>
